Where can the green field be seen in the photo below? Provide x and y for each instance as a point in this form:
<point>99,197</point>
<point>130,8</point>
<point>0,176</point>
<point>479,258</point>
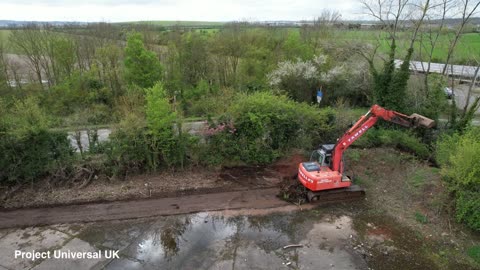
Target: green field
<point>4,35</point>
<point>468,46</point>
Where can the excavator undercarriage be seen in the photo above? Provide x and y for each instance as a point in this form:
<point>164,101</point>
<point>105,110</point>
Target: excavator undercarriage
<point>352,192</point>
<point>296,193</point>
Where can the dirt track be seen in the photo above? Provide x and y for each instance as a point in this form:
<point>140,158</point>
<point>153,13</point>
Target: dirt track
<point>253,199</point>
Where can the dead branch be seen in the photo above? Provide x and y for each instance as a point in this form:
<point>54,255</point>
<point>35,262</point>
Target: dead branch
<point>293,246</point>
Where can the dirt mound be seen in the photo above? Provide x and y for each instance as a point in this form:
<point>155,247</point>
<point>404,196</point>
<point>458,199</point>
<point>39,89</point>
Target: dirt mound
<point>287,167</point>
<point>250,176</point>
<point>292,191</point>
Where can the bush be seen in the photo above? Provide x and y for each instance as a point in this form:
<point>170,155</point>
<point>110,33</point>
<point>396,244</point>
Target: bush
<point>212,104</point>
<point>459,156</point>
<point>28,148</point>
<point>33,156</point>
<point>402,140</point>
<point>148,142</point>
<point>474,253</point>
<point>260,127</point>
<point>127,149</point>
<point>467,206</point>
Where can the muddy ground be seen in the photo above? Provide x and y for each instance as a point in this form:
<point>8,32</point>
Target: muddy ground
<point>334,236</point>
<point>160,185</point>
<point>405,220</point>
<point>409,197</point>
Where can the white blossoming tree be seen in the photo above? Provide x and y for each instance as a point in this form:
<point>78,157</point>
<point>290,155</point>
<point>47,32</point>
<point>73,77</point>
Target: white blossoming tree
<point>300,79</point>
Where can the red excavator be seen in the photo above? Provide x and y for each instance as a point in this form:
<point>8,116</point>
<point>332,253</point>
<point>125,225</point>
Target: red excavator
<point>323,175</point>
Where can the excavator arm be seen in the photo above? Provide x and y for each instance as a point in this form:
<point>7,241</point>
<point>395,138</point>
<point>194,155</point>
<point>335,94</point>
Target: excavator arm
<point>367,121</point>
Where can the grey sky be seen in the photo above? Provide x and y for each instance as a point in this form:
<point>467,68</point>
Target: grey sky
<point>204,10</point>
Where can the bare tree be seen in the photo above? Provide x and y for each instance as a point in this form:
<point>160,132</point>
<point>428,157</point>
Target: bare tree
<point>108,61</point>
<point>468,8</point>
<point>429,38</point>
<point>390,13</point>
<point>321,28</point>
<point>4,78</point>
<point>394,15</point>
<point>230,46</point>
<point>26,42</point>
<point>470,89</point>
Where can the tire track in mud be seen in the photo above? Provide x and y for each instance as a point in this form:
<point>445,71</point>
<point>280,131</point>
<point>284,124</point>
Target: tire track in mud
<point>244,199</point>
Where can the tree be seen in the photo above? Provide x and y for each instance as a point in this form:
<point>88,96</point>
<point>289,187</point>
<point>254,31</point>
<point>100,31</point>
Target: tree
<point>63,56</point>
<point>389,84</point>
<point>166,143</point>
<point>26,41</point>
<point>3,69</point>
<point>322,28</point>
<point>108,58</point>
<point>193,58</point>
<point>142,66</point>
<point>467,10</point>
<point>229,46</point>
<point>300,79</point>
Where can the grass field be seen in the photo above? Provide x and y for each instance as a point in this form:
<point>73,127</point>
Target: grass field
<point>467,48</point>
<point>4,35</point>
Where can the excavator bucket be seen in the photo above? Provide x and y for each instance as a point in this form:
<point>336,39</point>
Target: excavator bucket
<point>422,121</point>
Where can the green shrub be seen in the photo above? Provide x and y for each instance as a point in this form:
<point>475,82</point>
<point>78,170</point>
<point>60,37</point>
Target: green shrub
<point>467,208</point>
<point>446,145</point>
<point>463,164</point>
<point>33,156</point>
<point>29,150</point>
<point>148,142</point>
<point>421,218</point>
<point>260,127</point>
<point>474,252</point>
<point>212,104</point>
<point>400,139</point>
<point>127,150</point>
<point>459,156</point>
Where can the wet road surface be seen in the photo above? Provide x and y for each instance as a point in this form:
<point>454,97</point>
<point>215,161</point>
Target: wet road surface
<point>235,239</point>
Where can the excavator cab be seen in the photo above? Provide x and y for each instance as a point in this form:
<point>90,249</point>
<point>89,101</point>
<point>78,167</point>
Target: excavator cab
<point>323,155</point>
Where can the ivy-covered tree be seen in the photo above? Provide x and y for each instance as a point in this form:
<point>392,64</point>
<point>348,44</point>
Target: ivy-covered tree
<point>142,66</point>
<point>390,84</point>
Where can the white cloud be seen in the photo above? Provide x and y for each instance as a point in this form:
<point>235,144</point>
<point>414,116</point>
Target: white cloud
<point>206,10</point>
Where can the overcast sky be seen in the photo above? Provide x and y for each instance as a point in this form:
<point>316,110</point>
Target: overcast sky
<point>192,10</point>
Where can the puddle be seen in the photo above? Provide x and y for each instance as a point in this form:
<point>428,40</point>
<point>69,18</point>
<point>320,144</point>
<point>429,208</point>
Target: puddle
<point>325,237</point>
<point>209,240</point>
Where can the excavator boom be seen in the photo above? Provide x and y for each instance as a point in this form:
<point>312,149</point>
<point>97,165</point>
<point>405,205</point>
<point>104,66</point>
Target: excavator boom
<point>367,121</point>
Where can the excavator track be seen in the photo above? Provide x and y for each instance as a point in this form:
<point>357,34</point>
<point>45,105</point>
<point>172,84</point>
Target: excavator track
<point>353,192</point>
<point>298,194</point>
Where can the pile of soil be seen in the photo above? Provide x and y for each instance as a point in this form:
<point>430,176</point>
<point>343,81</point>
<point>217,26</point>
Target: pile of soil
<point>292,191</point>
<point>287,167</point>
